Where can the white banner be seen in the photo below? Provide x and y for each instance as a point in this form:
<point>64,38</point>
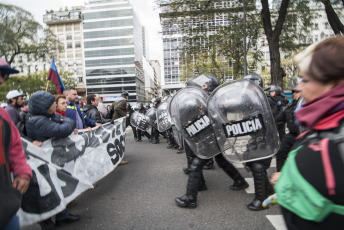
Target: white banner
<point>64,168</point>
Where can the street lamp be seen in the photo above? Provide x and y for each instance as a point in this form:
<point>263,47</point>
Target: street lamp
<point>245,62</point>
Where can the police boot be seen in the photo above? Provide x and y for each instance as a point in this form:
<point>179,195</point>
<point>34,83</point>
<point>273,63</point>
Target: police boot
<point>232,172</point>
<point>189,200</point>
<point>262,187</point>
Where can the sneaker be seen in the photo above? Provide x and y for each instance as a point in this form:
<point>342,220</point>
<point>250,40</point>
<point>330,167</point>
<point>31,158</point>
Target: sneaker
<point>139,140</point>
<point>123,162</point>
<point>180,151</point>
<point>169,146</point>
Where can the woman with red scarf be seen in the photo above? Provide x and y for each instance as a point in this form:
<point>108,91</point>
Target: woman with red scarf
<point>310,187</point>
<point>61,105</point>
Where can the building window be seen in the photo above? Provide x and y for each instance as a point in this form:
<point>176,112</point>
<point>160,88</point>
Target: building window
<point>79,71</point>
<point>77,36</point>
<point>80,79</point>
<point>76,27</point>
<point>69,54</point>
<point>77,44</point>
<point>79,62</point>
<point>69,37</point>
<point>70,63</point>
<point>68,27</point>
<point>69,45</point>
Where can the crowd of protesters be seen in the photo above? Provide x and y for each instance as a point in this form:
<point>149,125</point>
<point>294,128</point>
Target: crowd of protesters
<point>315,163</point>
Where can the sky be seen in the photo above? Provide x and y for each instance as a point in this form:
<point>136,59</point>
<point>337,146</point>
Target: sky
<point>146,10</point>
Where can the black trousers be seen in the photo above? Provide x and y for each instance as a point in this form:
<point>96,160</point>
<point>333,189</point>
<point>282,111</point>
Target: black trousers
<point>282,154</point>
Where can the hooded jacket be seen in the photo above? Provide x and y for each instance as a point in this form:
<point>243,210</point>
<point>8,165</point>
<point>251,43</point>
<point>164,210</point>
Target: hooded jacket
<point>41,125</point>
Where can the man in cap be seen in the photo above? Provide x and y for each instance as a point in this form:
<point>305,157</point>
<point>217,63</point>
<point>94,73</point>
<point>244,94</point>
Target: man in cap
<point>15,102</point>
<point>12,158</point>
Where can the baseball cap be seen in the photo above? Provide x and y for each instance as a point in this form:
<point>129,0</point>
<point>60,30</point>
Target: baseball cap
<point>14,93</point>
<point>6,68</point>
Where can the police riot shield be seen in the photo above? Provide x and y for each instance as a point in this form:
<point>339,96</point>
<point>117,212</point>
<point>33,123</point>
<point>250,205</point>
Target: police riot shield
<point>189,114</point>
<point>140,121</point>
<point>151,114</point>
<point>178,136</point>
<point>163,117</point>
<point>242,121</point>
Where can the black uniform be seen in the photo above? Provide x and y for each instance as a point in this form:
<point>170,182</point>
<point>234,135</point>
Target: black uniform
<point>140,132</point>
<point>289,139</point>
<point>196,180</point>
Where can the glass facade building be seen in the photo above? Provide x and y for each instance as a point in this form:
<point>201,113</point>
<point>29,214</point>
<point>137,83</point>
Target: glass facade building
<point>113,49</point>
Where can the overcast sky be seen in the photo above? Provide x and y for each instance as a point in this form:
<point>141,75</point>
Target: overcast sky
<point>145,9</point>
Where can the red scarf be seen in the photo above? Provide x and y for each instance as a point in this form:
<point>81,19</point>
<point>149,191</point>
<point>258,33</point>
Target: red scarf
<point>63,114</point>
<point>321,107</point>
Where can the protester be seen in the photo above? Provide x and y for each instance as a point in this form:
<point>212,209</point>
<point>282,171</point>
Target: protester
<point>119,106</point>
<point>61,105</point>
<point>91,109</point>
<point>310,188</point>
<point>74,112</point>
<point>119,110</point>
<point>102,108</point>
<point>12,159</point>
<point>24,110</point>
<point>44,123</point>
<point>15,102</point>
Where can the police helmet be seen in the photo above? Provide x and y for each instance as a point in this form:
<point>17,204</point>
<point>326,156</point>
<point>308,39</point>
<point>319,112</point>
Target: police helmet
<point>147,105</point>
<point>140,104</point>
<point>191,82</point>
<point>273,88</point>
<point>212,83</point>
<point>257,79</point>
<point>157,100</point>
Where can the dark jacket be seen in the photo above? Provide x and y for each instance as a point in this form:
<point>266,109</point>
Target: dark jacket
<point>73,110</point>
<point>288,116</point>
<point>41,125</point>
<point>273,106</point>
<point>14,113</point>
<point>119,108</point>
<point>92,112</point>
<point>129,112</point>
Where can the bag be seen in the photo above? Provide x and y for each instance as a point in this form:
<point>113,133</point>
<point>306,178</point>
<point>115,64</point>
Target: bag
<point>297,195</point>
<point>10,197</point>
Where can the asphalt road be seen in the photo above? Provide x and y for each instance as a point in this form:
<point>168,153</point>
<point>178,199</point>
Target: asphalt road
<point>140,195</point>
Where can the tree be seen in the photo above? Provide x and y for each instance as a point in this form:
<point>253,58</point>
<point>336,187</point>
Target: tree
<point>207,39</point>
<point>332,17</point>
<point>19,32</point>
<point>34,82</point>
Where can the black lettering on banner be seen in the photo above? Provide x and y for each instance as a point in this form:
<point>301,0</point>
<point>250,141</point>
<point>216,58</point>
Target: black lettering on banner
<point>197,126</point>
<point>93,139</point>
<point>65,150</point>
<point>117,149</point>
<point>71,182</point>
<point>32,201</point>
<point>244,127</point>
<point>118,128</point>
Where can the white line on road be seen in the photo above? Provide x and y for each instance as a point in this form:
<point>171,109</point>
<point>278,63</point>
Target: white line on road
<point>277,221</point>
<point>250,188</point>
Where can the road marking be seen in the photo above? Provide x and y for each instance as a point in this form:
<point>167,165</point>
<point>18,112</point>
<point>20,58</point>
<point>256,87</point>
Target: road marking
<point>250,188</point>
<point>277,221</point>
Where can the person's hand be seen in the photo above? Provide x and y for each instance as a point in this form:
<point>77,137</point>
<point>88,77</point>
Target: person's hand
<point>274,177</point>
<point>98,124</point>
<point>21,183</point>
<point>127,115</point>
<point>75,131</point>
<point>89,129</point>
<point>37,143</point>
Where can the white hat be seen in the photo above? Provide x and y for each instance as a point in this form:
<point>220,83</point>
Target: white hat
<point>14,93</point>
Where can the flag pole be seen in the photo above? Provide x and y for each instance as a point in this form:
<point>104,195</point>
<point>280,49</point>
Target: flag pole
<point>46,89</point>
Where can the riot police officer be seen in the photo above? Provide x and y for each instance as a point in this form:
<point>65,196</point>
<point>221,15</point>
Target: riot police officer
<point>139,132</point>
<point>196,180</point>
<point>262,186</point>
<point>289,139</point>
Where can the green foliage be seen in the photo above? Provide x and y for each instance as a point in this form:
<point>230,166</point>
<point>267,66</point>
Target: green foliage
<point>33,82</point>
<point>19,32</point>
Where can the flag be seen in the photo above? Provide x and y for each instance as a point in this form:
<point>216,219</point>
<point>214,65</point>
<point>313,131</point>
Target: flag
<point>54,76</point>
